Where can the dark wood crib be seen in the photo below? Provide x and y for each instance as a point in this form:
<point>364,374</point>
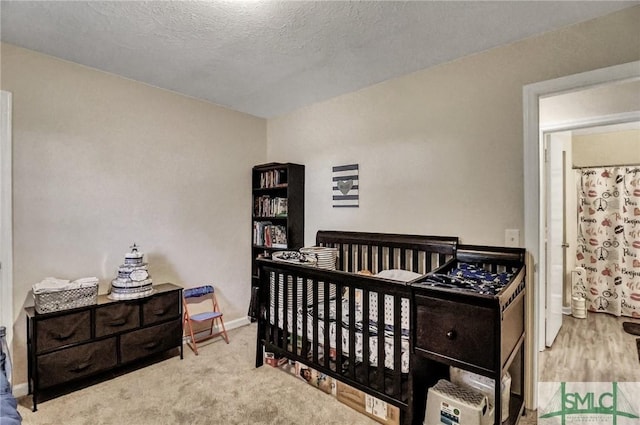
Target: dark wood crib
<point>373,338</point>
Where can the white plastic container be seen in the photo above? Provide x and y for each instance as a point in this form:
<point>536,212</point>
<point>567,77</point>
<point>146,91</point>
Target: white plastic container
<point>486,386</point>
<point>449,403</point>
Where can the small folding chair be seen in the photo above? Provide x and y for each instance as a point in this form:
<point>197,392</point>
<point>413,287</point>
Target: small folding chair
<point>205,298</point>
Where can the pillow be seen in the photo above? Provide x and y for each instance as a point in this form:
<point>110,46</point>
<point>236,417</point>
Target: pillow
<point>398,274</point>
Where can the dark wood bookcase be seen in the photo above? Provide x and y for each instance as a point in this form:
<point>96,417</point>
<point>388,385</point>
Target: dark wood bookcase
<point>274,185</point>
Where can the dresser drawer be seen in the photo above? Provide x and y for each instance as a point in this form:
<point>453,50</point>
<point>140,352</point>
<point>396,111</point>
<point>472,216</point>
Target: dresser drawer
<point>456,330</point>
<point>115,318</point>
<point>76,362</point>
<point>63,330</point>
<point>155,339</point>
<point>161,307</point>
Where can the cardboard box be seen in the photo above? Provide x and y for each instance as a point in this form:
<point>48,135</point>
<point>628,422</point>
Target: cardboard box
<point>274,360</point>
<point>374,408</point>
<point>317,379</point>
<point>288,366</point>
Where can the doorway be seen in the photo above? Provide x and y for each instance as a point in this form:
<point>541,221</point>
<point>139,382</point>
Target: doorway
<point>6,227</point>
<point>534,204</point>
<point>611,145</point>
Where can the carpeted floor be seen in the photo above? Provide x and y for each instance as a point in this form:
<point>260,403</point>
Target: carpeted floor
<point>220,386</point>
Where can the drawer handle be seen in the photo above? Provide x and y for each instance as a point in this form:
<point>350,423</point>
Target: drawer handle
<point>118,322</point>
<point>151,345</point>
<point>160,312</point>
<point>452,334</point>
<point>62,337</point>
<point>81,367</point>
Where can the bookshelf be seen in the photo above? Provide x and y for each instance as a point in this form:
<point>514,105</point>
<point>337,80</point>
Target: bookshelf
<point>278,211</point>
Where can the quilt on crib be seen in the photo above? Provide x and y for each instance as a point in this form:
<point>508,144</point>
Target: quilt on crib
<point>469,277</point>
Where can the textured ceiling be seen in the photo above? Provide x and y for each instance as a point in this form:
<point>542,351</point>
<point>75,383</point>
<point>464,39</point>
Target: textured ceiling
<point>267,58</point>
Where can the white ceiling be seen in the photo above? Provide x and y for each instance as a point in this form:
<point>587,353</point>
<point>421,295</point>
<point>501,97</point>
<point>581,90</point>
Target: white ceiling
<point>267,58</point>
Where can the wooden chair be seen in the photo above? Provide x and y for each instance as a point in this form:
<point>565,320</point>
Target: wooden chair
<point>205,298</point>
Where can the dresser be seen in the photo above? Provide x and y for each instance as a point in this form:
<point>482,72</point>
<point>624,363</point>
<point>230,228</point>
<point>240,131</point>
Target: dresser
<point>93,343</point>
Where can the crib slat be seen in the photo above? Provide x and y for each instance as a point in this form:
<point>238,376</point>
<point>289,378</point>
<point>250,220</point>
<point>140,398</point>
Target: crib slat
<point>276,309</point>
<point>339,288</point>
<point>416,261</point>
<point>327,325</point>
<point>403,259</point>
<point>428,257</point>
<point>380,374</point>
<point>305,322</point>
<point>397,344</point>
<point>380,265</point>
<point>294,315</point>
<point>282,342</point>
<point>352,332</point>
<point>269,327</point>
<point>314,322</point>
<point>365,335</point>
<point>349,258</point>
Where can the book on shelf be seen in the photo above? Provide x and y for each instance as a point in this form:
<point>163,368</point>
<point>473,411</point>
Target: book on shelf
<point>266,206</point>
<point>281,208</point>
<point>278,236</point>
<point>267,234</point>
<point>272,178</point>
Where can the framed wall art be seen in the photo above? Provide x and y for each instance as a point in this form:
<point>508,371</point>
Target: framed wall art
<point>345,186</point>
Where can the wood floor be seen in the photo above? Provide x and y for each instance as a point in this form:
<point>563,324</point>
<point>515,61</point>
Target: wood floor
<point>595,349</point>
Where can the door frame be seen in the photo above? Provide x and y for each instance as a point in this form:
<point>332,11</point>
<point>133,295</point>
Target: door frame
<point>533,196</point>
<point>6,220</point>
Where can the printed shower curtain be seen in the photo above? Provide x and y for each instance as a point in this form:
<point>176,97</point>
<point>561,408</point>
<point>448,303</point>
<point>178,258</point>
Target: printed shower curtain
<point>609,239</point>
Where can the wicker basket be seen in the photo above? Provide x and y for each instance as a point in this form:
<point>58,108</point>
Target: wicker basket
<point>64,300</point>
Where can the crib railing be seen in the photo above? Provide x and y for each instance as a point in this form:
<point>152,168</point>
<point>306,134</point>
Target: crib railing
<point>295,307</point>
<point>371,349</point>
<point>382,251</point>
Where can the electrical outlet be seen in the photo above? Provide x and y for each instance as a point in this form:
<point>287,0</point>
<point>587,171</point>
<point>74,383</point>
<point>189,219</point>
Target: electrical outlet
<point>512,237</point>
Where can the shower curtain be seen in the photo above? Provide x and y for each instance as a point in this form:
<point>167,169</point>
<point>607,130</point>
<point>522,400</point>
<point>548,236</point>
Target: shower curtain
<point>609,238</point>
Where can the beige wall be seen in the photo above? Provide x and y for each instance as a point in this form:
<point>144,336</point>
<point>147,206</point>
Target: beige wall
<point>100,162</point>
<point>611,148</point>
<point>441,150</point>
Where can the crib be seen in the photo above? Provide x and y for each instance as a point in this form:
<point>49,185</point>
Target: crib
<point>350,326</point>
<point>373,331</point>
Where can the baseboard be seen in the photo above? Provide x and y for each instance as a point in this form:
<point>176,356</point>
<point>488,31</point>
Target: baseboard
<point>243,321</point>
<point>22,389</point>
